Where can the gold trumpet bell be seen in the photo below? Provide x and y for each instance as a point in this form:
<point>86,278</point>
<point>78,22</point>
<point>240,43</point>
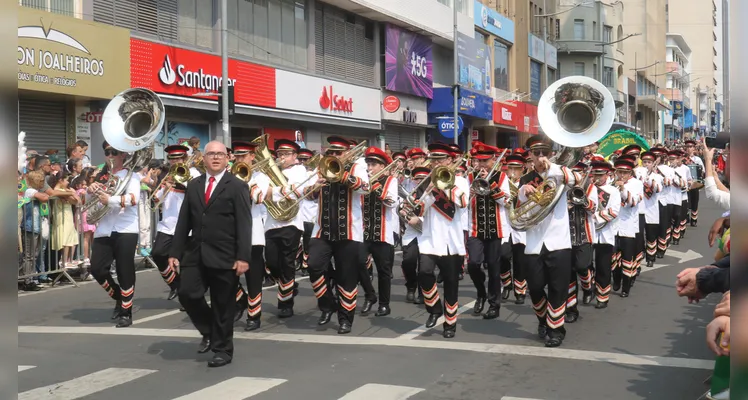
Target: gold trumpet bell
<point>331,169</point>
<point>443,178</point>
<point>242,171</point>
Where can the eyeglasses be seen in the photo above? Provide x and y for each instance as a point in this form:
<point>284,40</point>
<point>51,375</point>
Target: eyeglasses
<point>215,155</point>
<point>541,153</point>
<point>112,152</point>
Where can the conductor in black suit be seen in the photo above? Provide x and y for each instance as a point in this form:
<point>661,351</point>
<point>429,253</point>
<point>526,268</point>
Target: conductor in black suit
<point>216,210</point>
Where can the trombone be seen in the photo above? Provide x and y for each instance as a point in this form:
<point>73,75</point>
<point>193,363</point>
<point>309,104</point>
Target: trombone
<point>179,173</point>
<point>244,171</point>
<point>482,186</point>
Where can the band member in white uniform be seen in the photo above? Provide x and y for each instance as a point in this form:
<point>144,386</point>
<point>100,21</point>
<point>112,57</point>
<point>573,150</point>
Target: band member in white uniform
<point>442,243</point>
<point>515,166</point>
<point>652,187</point>
<point>380,223</point>
<point>628,224</point>
<point>171,195</point>
<point>606,227</point>
<point>665,200</point>
<point>308,211</point>
<point>693,194</point>
<point>633,151</point>
<point>548,248</point>
<point>413,227</point>
<point>686,180</point>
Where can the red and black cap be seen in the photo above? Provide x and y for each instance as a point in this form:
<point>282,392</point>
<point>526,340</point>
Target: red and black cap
<point>242,148</point>
<point>376,154</point>
<point>456,150</point>
<point>352,143</point>
<point>625,165</point>
<point>690,142</point>
<point>675,153</point>
<point>287,145</point>
<point>648,155</point>
<point>580,166</point>
<point>416,152</point>
<point>658,151</point>
<point>515,160</point>
<point>420,172</point>
<point>634,149</point>
<point>305,154</point>
<point>484,151</point>
<point>439,150</point>
<point>600,167</point>
<point>598,159</point>
<point>338,143</point>
<point>176,151</point>
<point>399,156</point>
<point>538,142</point>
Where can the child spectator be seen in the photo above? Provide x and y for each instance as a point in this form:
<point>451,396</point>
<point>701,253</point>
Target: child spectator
<point>32,227</point>
<point>64,234</point>
<point>80,184</point>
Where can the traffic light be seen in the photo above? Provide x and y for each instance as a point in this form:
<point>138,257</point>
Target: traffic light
<point>232,107</point>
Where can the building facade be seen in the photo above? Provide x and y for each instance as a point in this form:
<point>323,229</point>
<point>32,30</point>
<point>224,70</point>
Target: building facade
<point>678,120</point>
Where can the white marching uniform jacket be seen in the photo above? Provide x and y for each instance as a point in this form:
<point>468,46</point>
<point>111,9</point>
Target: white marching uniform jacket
<point>684,174</point>
<point>502,218</point>
<point>309,206</point>
<point>609,207</point>
<point>552,232</point>
<point>641,173</point>
<point>256,183</point>
<point>517,237</point>
<point>119,219</point>
<point>295,175</point>
<point>652,189</point>
<point>342,220</point>
<point>442,225</point>
<point>670,187</point>
<point>385,218</point>
<point>172,204</point>
<point>628,219</point>
<point>410,233</point>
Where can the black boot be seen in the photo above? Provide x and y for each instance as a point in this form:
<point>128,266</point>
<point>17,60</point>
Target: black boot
<point>587,296</point>
<point>480,302</point>
<point>117,309</point>
<point>410,297</point>
<point>172,294</point>
<point>252,325</point>
<point>520,299</point>
<point>431,322</point>
<point>492,313</point>
<point>601,305</point>
<point>419,298</point>
<point>650,263</point>
<point>382,311</point>
<point>324,318</point>
<point>506,292</point>
<point>572,315</point>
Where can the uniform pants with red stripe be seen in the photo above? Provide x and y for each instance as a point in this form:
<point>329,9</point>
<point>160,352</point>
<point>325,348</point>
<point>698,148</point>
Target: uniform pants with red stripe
<point>551,269</point>
<point>254,276</point>
<point>518,269</point>
<point>449,267</point>
<point>693,204</point>
<point>119,247</point>
<point>581,259</point>
<point>281,249</point>
<point>383,255</point>
<point>346,254</point>
<point>640,240</point>
<point>627,270</point>
<point>663,237</point>
<point>485,251</point>
<point>160,254</point>
<point>603,271</point>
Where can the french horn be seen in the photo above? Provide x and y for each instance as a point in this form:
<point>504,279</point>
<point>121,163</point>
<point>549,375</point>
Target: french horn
<point>573,112</point>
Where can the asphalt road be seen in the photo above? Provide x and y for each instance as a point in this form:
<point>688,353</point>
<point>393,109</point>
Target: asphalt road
<point>648,346</point>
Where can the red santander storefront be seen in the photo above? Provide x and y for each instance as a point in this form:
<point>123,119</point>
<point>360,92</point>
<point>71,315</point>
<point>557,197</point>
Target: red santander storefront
<point>280,103</point>
<point>515,121</point>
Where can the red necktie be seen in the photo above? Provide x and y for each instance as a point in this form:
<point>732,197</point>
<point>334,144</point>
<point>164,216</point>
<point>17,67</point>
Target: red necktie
<point>209,189</point>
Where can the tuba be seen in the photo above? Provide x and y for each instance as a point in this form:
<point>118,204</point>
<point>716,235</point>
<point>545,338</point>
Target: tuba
<point>285,209</point>
<point>574,112</point>
<point>131,122</point>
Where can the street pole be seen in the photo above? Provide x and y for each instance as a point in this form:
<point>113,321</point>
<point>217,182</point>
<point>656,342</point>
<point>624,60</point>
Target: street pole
<point>544,78</point>
<point>225,75</point>
<point>456,90</point>
<point>657,110</point>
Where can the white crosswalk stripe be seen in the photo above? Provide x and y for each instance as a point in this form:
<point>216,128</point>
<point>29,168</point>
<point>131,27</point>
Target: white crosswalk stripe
<point>239,388</point>
<point>85,385</point>
<point>382,392</point>
<point>25,367</point>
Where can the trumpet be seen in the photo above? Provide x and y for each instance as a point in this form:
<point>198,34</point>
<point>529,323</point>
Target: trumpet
<point>443,177</point>
<point>578,194</point>
<point>179,173</point>
<point>482,186</point>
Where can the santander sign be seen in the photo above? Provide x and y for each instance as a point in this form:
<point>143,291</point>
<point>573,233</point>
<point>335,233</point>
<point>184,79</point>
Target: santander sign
<point>192,79</point>
<point>333,102</point>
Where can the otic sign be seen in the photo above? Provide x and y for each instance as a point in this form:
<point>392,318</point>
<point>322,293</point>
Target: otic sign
<point>446,126</point>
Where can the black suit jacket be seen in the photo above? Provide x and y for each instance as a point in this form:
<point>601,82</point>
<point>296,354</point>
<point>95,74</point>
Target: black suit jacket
<point>221,229</point>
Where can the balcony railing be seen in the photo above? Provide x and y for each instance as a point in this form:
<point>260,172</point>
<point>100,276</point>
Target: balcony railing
<point>674,68</point>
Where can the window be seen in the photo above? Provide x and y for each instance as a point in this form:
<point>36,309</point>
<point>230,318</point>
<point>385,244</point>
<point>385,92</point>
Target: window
<point>594,72</point>
<point>63,7</point>
<point>594,31</point>
<point>551,77</point>
<point>579,68</point>
<point>608,76</point>
<point>271,30</point>
<point>619,37</point>
<point>558,29</point>
<point>607,34</point>
<point>579,29</point>
<point>344,44</point>
<point>158,18</point>
<point>196,22</point>
<point>500,65</point>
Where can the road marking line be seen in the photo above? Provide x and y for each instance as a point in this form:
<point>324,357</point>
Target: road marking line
<point>174,312</point>
<point>238,388</point>
<point>80,284</point>
<point>25,367</point>
<point>517,398</point>
<point>493,348</point>
<point>85,385</point>
<point>382,392</point>
<point>423,329</point>
<point>656,266</point>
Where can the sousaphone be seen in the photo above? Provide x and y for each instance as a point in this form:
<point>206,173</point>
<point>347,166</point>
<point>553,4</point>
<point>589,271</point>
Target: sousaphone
<point>573,112</point>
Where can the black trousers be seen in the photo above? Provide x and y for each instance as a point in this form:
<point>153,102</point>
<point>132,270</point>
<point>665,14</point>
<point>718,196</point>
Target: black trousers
<point>214,321</point>
<point>684,212</point>
<point>488,252</point>
<point>308,228</point>
<point>665,227</point>
<point>552,269</point>
<point>603,271</point>
<point>693,203</point>
<point>581,259</point>
<point>449,268</point>
<point>641,240</point>
<point>160,255</point>
<point>383,256</point>
<point>409,266</point>
<point>515,267</point>
<point>627,270</point>
<point>252,299</point>
<point>281,249</point>
<point>652,232</point>
<point>675,221</point>
<point>119,247</point>
<point>347,264</point>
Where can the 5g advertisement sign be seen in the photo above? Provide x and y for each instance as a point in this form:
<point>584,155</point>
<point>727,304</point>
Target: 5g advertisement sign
<point>408,62</point>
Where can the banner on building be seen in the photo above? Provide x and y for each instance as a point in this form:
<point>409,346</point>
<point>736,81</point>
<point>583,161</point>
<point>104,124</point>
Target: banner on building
<point>474,60</point>
<point>408,62</point>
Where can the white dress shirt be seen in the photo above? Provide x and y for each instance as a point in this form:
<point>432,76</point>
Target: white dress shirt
<point>552,232</point>
<point>652,204</point>
<point>628,219</point>
<point>685,174</point>
<point>207,181</point>
<point>118,219</point>
<point>309,207</point>
<point>441,236</point>
<point>257,181</point>
<point>670,190</point>
<point>607,235</point>
<point>641,174</point>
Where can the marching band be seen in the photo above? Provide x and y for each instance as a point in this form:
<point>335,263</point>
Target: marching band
<point>533,221</point>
